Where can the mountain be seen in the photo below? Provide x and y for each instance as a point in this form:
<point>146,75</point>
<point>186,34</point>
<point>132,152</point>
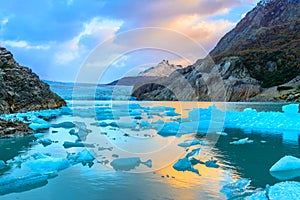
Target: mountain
<point>21,90</point>
<point>163,69</point>
<point>261,54</point>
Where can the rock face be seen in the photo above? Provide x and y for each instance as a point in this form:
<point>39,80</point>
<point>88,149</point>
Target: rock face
<point>261,54</point>
<point>8,128</point>
<point>163,69</point>
<point>21,90</point>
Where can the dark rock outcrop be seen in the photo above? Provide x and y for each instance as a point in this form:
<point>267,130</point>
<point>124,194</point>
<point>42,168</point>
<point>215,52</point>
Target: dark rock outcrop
<point>9,128</point>
<point>21,90</point>
<point>259,54</point>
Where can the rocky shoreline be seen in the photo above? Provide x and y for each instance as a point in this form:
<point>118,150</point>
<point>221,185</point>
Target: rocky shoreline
<point>258,60</point>
<point>8,128</point>
<point>21,90</point>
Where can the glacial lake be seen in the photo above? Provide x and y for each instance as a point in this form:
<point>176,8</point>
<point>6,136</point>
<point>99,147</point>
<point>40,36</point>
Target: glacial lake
<point>147,132</point>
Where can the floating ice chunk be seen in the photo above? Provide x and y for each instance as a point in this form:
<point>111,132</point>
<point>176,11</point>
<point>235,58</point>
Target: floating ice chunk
<point>286,168</point>
<point>291,109</point>
<point>105,148</point>
<point>135,113</point>
<point>221,133</point>
<point>20,184</point>
<point>64,125</point>
<point>185,164</point>
<point>145,124</point>
<point>76,144</point>
<point>2,165</point>
<point>171,113</point>
<point>261,195</point>
<point>85,156</point>
<point>127,164</point>
<point>235,188</point>
<point>47,165</point>
<point>242,141</point>
<point>45,142</point>
<point>286,163</point>
<point>193,153</point>
<point>212,163</point>
<point>285,190</point>
<point>101,124</point>
<point>188,143</point>
<point>39,126</point>
<point>38,135</point>
<point>169,129</point>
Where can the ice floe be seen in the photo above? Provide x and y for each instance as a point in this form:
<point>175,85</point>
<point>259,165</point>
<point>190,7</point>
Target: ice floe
<point>186,163</point>
<point>242,141</point>
<point>127,164</point>
<point>235,188</point>
<point>23,183</point>
<point>188,143</point>
<point>284,190</point>
<point>286,168</point>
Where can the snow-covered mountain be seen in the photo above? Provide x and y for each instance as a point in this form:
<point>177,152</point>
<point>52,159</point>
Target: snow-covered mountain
<point>163,69</point>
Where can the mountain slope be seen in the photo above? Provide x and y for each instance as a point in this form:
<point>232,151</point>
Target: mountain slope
<point>21,90</point>
<point>163,69</point>
<point>262,51</point>
<point>268,41</point>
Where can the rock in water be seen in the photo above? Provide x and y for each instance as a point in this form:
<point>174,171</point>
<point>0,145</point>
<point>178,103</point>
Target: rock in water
<point>8,128</point>
<point>21,90</point>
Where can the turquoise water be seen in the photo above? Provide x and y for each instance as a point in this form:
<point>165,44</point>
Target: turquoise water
<point>100,180</point>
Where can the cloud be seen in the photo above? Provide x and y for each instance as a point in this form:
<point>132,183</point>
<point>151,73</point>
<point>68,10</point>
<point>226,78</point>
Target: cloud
<point>93,32</point>
<point>23,44</point>
<point>205,32</point>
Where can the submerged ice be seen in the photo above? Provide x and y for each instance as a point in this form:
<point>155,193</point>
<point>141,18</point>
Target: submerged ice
<point>127,164</point>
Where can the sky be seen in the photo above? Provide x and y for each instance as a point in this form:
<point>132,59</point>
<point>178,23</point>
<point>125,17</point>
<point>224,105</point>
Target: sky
<point>103,40</point>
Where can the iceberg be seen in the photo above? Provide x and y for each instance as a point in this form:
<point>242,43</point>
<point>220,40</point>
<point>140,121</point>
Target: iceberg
<point>236,188</point>
<point>127,164</point>
<point>189,143</point>
<point>19,184</point>
<point>64,125</point>
<point>47,165</point>
<point>187,163</point>
<point>291,109</point>
<point>222,133</point>
<point>242,141</point>
<point>261,195</point>
<point>169,129</point>
<point>286,168</point>
<point>38,135</point>
<point>2,165</point>
<point>212,163</point>
<point>284,190</point>
<point>286,163</point>
<point>45,142</point>
<point>76,144</point>
<point>38,126</point>
<point>184,164</point>
<point>85,156</point>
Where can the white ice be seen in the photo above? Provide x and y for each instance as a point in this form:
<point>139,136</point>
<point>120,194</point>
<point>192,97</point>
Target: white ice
<point>242,141</point>
<point>286,163</point>
<point>289,190</point>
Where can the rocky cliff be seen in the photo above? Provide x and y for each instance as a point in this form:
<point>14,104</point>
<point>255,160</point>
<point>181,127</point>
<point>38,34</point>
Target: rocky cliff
<point>21,90</point>
<point>261,54</point>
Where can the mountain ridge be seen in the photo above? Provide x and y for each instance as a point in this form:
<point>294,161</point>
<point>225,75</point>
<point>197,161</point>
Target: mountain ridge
<point>264,48</point>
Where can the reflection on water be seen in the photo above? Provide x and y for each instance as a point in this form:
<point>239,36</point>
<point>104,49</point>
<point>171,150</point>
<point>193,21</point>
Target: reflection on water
<point>162,181</point>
